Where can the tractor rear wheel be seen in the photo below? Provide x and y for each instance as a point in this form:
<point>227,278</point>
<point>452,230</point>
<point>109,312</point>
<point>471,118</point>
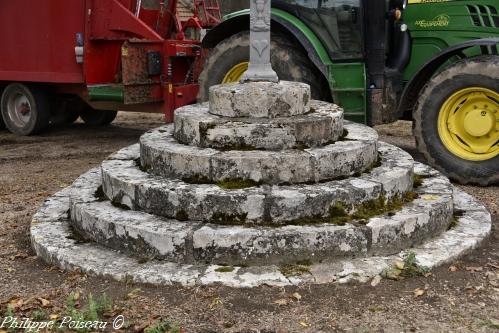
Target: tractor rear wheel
<point>25,110</point>
<point>230,58</point>
<point>456,121</point>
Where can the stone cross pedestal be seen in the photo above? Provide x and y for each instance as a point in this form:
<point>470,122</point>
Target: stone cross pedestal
<point>260,68</point>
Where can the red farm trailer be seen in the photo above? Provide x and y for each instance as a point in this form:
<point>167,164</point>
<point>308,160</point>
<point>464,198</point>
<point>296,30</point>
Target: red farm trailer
<point>64,59</point>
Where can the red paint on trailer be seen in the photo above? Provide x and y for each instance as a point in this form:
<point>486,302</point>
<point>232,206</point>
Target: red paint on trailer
<point>39,39</point>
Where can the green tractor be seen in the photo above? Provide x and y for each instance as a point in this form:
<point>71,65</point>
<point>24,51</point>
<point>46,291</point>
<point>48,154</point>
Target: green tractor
<point>433,61</point>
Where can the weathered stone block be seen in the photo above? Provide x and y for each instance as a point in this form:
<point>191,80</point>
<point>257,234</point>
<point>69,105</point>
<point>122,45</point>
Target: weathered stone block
<point>195,126</point>
<point>284,245</point>
<point>260,99</point>
<point>163,156</point>
<point>132,232</point>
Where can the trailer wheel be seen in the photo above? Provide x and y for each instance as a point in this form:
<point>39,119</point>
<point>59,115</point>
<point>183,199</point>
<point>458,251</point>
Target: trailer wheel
<point>65,110</point>
<point>230,58</point>
<point>456,121</point>
<point>2,123</point>
<point>97,117</point>
<point>25,111</point>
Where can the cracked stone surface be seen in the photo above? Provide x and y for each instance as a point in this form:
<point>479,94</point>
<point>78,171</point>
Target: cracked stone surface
<point>260,99</point>
<point>125,183</point>
<point>162,155</point>
<point>195,126</point>
<point>52,239</point>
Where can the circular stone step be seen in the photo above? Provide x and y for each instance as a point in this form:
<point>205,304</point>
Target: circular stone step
<point>125,184</point>
<point>162,155</point>
<point>146,235</point>
<point>260,99</point>
<point>195,126</point>
<point>54,241</point>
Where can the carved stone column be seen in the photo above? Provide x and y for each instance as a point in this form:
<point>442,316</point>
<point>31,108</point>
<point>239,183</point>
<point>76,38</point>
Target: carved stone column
<point>260,68</point>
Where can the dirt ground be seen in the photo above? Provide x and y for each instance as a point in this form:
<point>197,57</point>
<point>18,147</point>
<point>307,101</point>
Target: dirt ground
<point>463,297</point>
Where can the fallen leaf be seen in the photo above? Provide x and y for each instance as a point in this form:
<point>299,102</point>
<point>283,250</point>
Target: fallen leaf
<point>418,292</point>
<point>453,268</point>
<point>216,302</point>
<point>10,269</point>
<point>16,303</point>
<point>430,197</point>
<point>399,264</point>
<point>297,296</point>
<point>375,281</point>
<point>54,316</point>
<point>134,293</point>
<point>281,302</point>
<point>44,302</point>
<point>304,324</point>
<point>427,274</point>
<point>392,274</point>
<point>474,269</point>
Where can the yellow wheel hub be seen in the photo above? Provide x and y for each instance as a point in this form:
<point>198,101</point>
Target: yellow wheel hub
<point>236,73</point>
<point>468,124</point>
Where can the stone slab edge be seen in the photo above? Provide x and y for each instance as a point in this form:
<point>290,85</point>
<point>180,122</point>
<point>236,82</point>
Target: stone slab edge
<point>195,126</point>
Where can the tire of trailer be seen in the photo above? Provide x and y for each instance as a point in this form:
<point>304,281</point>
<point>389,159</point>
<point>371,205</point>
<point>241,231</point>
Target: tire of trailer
<point>2,123</point>
<point>25,109</point>
<point>288,59</point>
<point>437,138</point>
<point>95,117</point>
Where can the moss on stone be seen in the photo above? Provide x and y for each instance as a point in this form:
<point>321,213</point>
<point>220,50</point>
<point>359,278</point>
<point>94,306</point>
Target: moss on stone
<point>299,268</point>
<point>240,147</point>
<point>99,194</point>
<point>228,219</point>
<point>197,179</point>
<point>306,220</point>
<point>338,213</point>
<point>227,184</point>
<point>224,269</point>
<point>455,219</point>
<point>417,180</point>
<point>182,215</point>
<point>236,184</point>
